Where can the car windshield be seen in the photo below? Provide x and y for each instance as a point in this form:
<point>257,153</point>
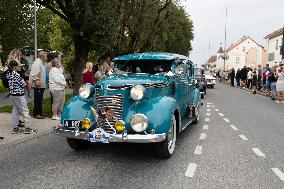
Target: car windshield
<point>142,66</point>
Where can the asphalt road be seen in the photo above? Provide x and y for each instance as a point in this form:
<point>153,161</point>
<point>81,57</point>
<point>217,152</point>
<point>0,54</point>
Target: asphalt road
<point>238,143</point>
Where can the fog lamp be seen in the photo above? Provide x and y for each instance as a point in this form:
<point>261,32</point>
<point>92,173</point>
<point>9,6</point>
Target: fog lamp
<point>86,123</point>
<point>119,125</point>
<point>139,122</point>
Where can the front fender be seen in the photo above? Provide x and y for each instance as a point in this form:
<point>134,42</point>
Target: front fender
<point>158,110</point>
<point>78,108</point>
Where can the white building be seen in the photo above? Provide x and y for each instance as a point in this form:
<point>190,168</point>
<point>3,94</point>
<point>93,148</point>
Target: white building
<point>275,41</point>
<point>238,54</point>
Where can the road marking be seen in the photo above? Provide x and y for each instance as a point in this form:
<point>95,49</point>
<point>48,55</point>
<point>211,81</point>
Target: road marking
<point>243,137</point>
<point>207,119</point>
<point>220,114</point>
<point>205,127</point>
<point>258,152</point>
<point>190,170</point>
<point>208,114</point>
<point>208,106</point>
<point>279,173</point>
<point>209,103</point>
<point>202,136</point>
<point>227,120</point>
<point>208,110</point>
<point>198,150</point>
<point>213,106</point>
<point>234,127</point>
<point>217,110</point>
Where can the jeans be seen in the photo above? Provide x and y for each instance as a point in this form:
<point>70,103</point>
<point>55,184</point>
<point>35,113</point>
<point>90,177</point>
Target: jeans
<point>38,97</point>
<point>20,108</point>
<point>273,89</point>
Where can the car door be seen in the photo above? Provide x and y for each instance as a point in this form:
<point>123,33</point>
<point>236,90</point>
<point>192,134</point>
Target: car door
<point>181,87</point>
<point>190,83</point>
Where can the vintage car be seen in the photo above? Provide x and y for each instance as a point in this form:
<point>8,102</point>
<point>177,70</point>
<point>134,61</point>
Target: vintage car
<point>200,81</point>
<point>210,81</point>
<point>150,98</point>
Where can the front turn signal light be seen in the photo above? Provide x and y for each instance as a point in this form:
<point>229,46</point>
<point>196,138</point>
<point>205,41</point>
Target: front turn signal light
<point>119,125</point>
<point>86,123</point>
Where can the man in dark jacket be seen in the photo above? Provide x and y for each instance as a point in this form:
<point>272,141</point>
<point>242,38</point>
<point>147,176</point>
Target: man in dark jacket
<point>243,75</point>
<point>232,77</point>
<point>238,77</point>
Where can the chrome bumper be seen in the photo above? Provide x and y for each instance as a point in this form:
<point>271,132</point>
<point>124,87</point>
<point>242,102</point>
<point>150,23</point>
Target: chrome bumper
<point>131,138</point>
<point>202,92</point>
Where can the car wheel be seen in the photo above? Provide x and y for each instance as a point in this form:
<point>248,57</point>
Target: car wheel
<point>212,86</point>
<point>166,148</point>
<point>202,96</point>
<point>196,119</point>
<point>77,144</point>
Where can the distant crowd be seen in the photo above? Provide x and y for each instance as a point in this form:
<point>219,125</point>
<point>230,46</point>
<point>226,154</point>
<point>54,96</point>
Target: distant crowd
<point>266,79</point>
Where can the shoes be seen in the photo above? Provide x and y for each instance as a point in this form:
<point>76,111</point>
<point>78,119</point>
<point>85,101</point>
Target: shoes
<point>28,131</point>
<point>272,98</point>
<point>39,117</point>
<point>277,101</point>
<point>55,118</point>
<point>15,131</point>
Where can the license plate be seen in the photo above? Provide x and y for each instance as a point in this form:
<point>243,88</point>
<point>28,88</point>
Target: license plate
<point>99,135</point>
<point>72,123</point>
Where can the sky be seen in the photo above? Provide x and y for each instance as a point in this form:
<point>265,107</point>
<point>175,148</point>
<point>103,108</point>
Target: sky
<point>254,18</point>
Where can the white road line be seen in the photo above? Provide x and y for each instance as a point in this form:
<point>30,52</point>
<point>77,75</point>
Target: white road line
<point>205,127</point>
<point>208,114</point>
<point>207,119</point>
<point>279,173</point>
<point>198,150</point>
<point>217,110</point>
<point>209,103</point>
<point>258,152</point>
<point>220,114</point>
<point>234,127</point>
<point>208,106</point>
<point>202,136</point>
<point>190,170</point>
<point>213,106</point>
<point>243,137</point>
<point>208,110</point>
<point>227,120</point>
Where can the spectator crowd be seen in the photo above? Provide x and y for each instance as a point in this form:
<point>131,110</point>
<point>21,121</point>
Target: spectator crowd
<point>265,80</point>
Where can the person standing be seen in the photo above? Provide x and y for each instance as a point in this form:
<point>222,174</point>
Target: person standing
<point>280,84</point>
<point>232,76</point>
<point>272,79</point>
<point>57,86</point>
<point>259,77</point>
<point>243,74</point>
<point>88,74</point>
<point>238,77</point>
<point>17,91</point>
<point>249,79</point>
<point>254,82</point>
<point>38,79</point>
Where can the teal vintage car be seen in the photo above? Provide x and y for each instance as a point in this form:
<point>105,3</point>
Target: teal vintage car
<point>149,98</point>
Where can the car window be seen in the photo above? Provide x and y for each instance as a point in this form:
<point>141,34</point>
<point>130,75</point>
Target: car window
<point>181,70</point>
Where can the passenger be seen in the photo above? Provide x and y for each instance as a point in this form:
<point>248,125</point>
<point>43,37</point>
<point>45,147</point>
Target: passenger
<point>100,74</point>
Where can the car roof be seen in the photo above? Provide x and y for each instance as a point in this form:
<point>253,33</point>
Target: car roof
<point>152,56</point>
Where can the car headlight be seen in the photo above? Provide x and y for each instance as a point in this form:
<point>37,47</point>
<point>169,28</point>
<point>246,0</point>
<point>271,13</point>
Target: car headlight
<point>137,92</point>
<point>86,123</point>
<point>139,122</point>
<point>84,92</point>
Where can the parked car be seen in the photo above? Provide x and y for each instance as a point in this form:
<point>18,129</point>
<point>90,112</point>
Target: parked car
<point>200,81</point>
<point>150,99</point>
<point>210,81</point>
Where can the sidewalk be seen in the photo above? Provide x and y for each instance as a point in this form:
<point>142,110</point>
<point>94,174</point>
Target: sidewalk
<point>44,127</point>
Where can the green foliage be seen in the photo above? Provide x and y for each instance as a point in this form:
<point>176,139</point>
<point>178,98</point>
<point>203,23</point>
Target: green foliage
<point>16,24</point>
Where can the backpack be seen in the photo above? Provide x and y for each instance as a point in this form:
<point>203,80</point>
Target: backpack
<point>4,79</point>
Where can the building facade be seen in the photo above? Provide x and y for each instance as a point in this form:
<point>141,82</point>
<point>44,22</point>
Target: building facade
<point>274,45</point>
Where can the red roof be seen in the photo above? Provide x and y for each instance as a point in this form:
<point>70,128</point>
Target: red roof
<point>274,34</point>
<point>220,51</point>
<point>240,41</point>
<point>212,59</point>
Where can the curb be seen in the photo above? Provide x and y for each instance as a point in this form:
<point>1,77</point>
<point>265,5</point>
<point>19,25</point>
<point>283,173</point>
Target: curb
<point>25,139</point>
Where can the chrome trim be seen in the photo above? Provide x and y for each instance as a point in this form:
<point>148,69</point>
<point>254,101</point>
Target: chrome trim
<point>202,92</point>
<point>131,138</point>
<point>128,86</point>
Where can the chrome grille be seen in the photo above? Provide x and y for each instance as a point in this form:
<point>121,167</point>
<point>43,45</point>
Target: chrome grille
<point>115,103</point>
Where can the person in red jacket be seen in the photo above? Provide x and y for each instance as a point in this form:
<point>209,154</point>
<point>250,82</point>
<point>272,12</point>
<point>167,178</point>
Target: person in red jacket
<point>88,74</point>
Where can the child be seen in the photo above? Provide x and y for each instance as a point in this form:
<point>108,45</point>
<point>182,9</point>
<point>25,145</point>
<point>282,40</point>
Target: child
<point>17,91</point>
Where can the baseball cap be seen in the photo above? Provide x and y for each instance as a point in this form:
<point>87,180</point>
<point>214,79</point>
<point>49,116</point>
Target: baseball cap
<point>14,63</point>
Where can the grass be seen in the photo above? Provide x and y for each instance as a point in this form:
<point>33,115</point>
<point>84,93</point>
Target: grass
<point>2,88</point>
<point>46,106</point>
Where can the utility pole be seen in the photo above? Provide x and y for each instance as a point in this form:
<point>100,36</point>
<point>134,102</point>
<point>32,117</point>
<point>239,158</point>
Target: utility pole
<point>225,39</point>
<point>35,31</point>
<point>282,48</point>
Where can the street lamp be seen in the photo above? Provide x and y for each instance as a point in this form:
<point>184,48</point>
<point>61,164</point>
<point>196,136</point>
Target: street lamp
<point>35,31</point>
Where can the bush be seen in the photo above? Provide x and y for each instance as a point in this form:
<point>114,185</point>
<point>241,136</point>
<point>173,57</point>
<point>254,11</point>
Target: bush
<point>2,88</point>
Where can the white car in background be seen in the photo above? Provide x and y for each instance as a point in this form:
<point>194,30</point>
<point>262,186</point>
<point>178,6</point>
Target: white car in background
<point>210,81</point>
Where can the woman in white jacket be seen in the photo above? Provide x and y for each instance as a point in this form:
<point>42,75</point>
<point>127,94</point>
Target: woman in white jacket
<point>57,85</point>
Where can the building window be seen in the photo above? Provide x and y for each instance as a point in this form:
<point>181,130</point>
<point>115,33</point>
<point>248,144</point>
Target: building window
<point>270,56</point>
<point>244,49</point>
<point>276,45</point>
<point>237,60</point>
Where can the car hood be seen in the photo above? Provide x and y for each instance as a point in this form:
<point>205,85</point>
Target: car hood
<point>134,79</point>
<point>209,77</point>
